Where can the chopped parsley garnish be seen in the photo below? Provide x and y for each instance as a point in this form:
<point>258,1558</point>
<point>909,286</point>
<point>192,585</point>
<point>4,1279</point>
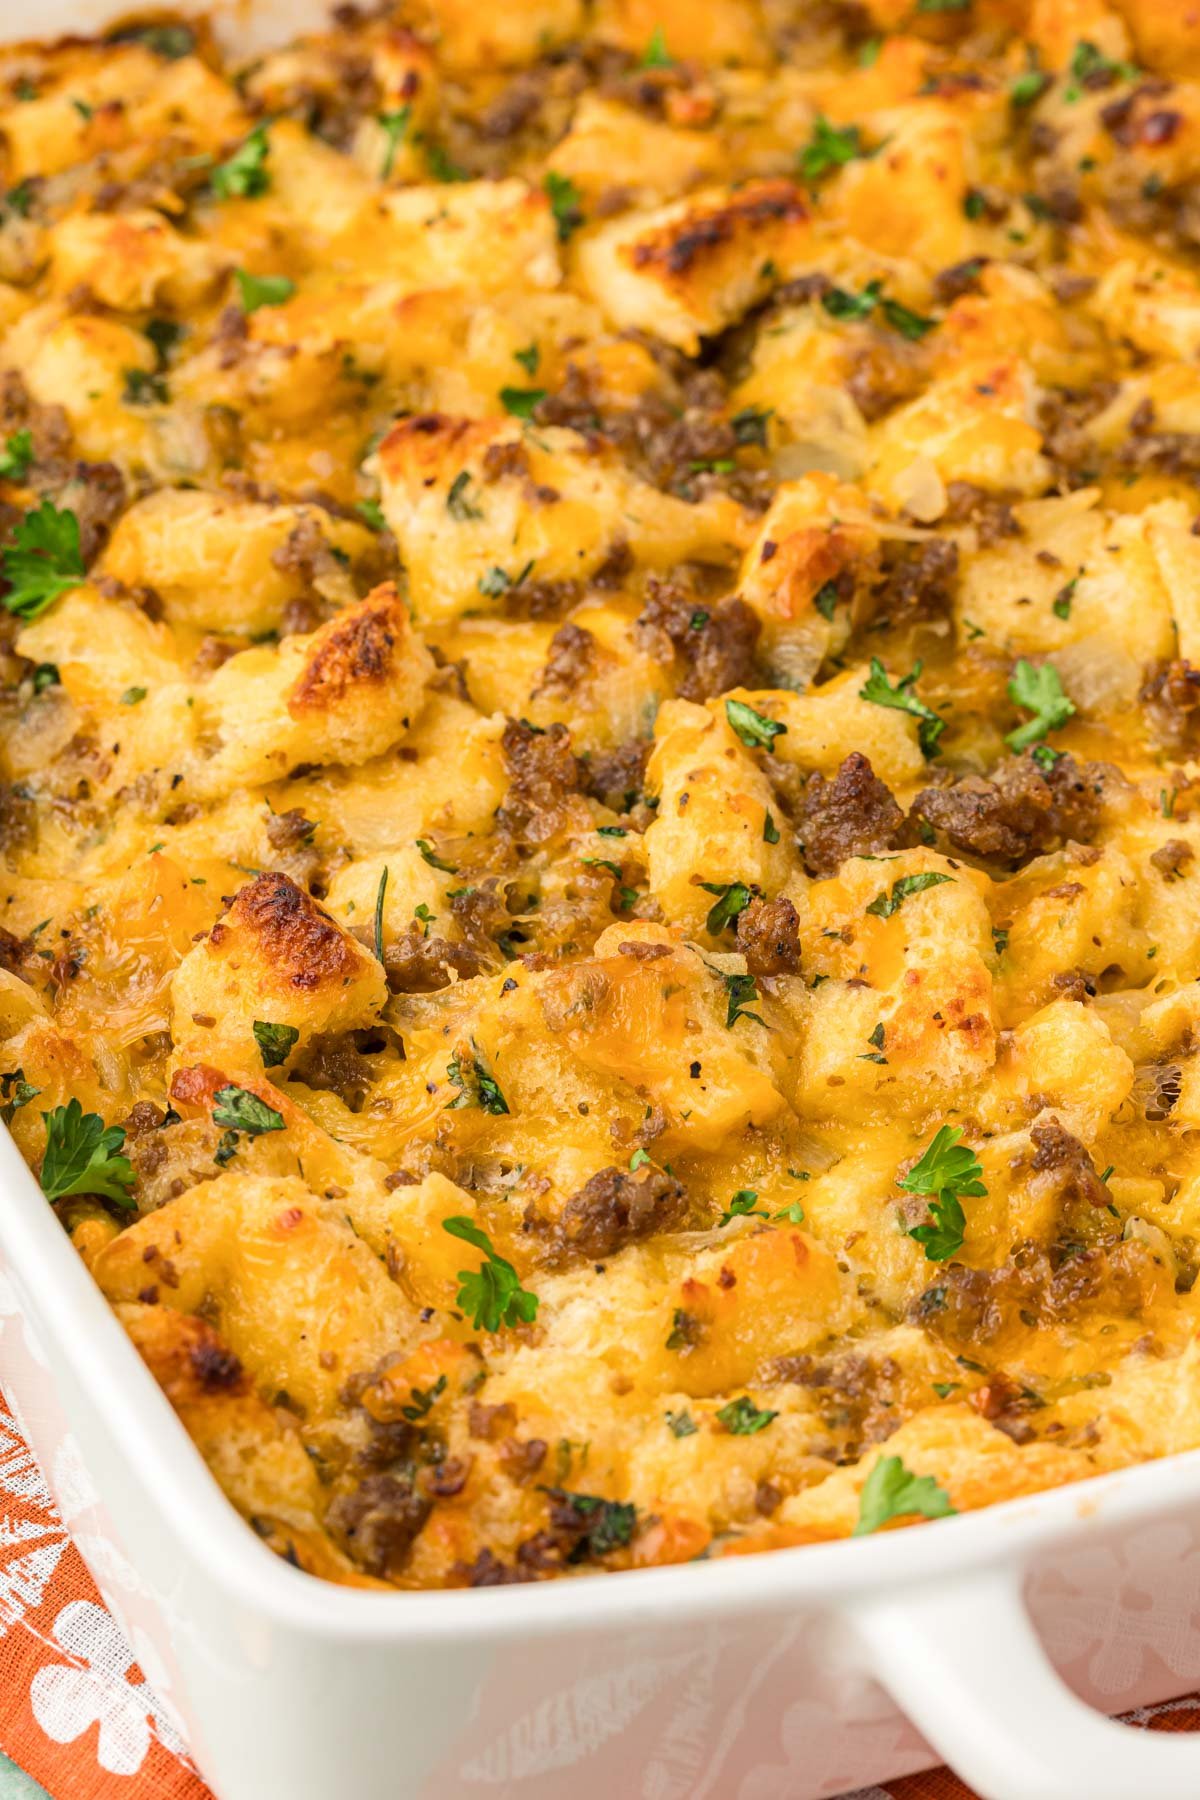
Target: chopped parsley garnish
<point>1000,939</point>
<point>739,990</point>
<point>164,334</point>
<point>880,692</point>
<point>742,1206</point>
<point>240,1110</point>
<point>458,503</point>
<point>371,513</point>
<point>681,1424</point>
<point>16,456</point>
<point>15,1092</point>
<point>263,290</point>
<point>529,358</point>
<point>244,175</point>
<point>380,895</point>
<point>794,1214</point>
<point>755,730</point>
<point>1091,68</point>
<point>520,402</point>
<point>134,696</point>
<point>1039,689</point>
<point>741,1418</point>
<point>145,387</point>
<point>750,425</point>
<point>566,204</point>
<point>275,1042</point>
<point>733,901</point>
<point>435,862</point>
<point>830,147</point>
<point>1029,86</point>
<point>1061,604</point>
<point>394,126</point>
<point>893,1492</point>
<point>491,1295</point>
<point>83,1156</point>
<point>886,903</point>
<point>476,1085</point>
<point>943,6</point>
<point>442,165</point>
<point>42,561</point>
<point>840,303</point>
<point>947,1171</point>
<point>826,598</point>
<point>498,581</point>
<point>421,1401</point>
<point>610,1522</point>
<point>770,829</point>
<point>656,55</point>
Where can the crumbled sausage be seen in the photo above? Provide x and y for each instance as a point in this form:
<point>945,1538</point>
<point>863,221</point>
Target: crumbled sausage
<point>768,935</point>
<point>378,1522</point>
<point>1022,812</point>
<point>615,1208</point>
<point>855,814</point>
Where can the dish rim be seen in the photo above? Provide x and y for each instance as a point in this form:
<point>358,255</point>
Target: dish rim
<point>154,1443</point>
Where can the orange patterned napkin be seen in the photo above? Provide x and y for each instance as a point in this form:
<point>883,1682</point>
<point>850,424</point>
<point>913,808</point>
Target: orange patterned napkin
<point>76,1711</point>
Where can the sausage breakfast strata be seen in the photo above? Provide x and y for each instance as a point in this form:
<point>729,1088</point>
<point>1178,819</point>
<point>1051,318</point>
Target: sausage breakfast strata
<point>600,666</point>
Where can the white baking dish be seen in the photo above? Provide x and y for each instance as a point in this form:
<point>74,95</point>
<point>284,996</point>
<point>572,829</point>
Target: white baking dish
<point>755,1678</point>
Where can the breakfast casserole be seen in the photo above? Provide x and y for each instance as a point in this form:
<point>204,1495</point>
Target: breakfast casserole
<point>600,666</point>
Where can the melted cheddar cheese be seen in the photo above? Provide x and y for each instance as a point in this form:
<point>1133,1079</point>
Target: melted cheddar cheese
<point>600,670</point>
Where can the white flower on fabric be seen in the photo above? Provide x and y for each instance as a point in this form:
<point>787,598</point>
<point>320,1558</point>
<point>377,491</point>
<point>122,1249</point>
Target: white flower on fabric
<point>95,1690</point>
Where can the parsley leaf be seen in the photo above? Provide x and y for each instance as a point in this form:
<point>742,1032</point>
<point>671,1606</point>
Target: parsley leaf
<point>742,1418</point>
<point>274,1042</point>
<point>371,513</point>
<point>794,1214</point>
<point>244,175</point>
<point>742,1207</point>
<point>740,989</point>
<point>1028,87</point>
<point>240,1110</point>
<point>825,599</point>
<point>15,1092</point>
<point>435,862</point>
<point>912,325</point>
<point>656,55</point>
<point>476,1085</point>
<point>394,126</point>
<point>754,728</point>
<point>770,829</point>
<point>16,456</point>
<point>733,901</point>
<point>830,147</point>
<point>529,358</point>
<point>83,1156</point>
<point>1091,68</point>
<point>565,204</point>
<point>885,904</point>
<point>1039,689</point>
<point>498,581</point>
<point>681,1424</point>
<point>458,503</point>
<point>947,1171</point>
<point>42,561</point>
<point>520,402</point>
<point>611,1527</point>
<point>263,290</point>
<point>880,691</point>
<point>893,1492</point>
<point>750,425</point>
<point>491,1295</point>
<point>380,895</point>
<point>145,387</point>
<point>840,303</point>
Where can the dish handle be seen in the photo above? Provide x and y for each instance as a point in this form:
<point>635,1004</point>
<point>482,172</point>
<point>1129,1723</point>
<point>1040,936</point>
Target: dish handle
<point>966,1665</point>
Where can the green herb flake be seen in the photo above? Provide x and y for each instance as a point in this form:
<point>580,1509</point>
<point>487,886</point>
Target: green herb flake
<point>742,1206</point>
<point>739,990</point>
<point>656,55</point>
<point>888,902</point>
<point>262,290</point>
<point>275,1042</point>
<point>240,1110</point>
<point>1039,689</point>
<point>566,204</point>
<point>380,895</point>
<point>793,1214</point>
<point>435,862</point>
<point>16,456</point>
<point>880,692</point>
<point>476,1085</point>
<point>42,561</point>
<point>681,1424</point>
<point>145,387</point>
<point>734,898</point>
<point>529,358</point>
<point>244,175</point>
<point>520,402</point>
<point>754,729</point>
<point>394,126</point>
<point>770,829</point>
<point>492,1295</point>
<point>893,1492</point>
<point>830,147</point>
<point>15,1092</point>
<point>826,598</point>
<point>133,696</point>
<point>741,1418</point>
<point>459,504</point>
<point>947,1172</point>
<point>83,1156</point>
